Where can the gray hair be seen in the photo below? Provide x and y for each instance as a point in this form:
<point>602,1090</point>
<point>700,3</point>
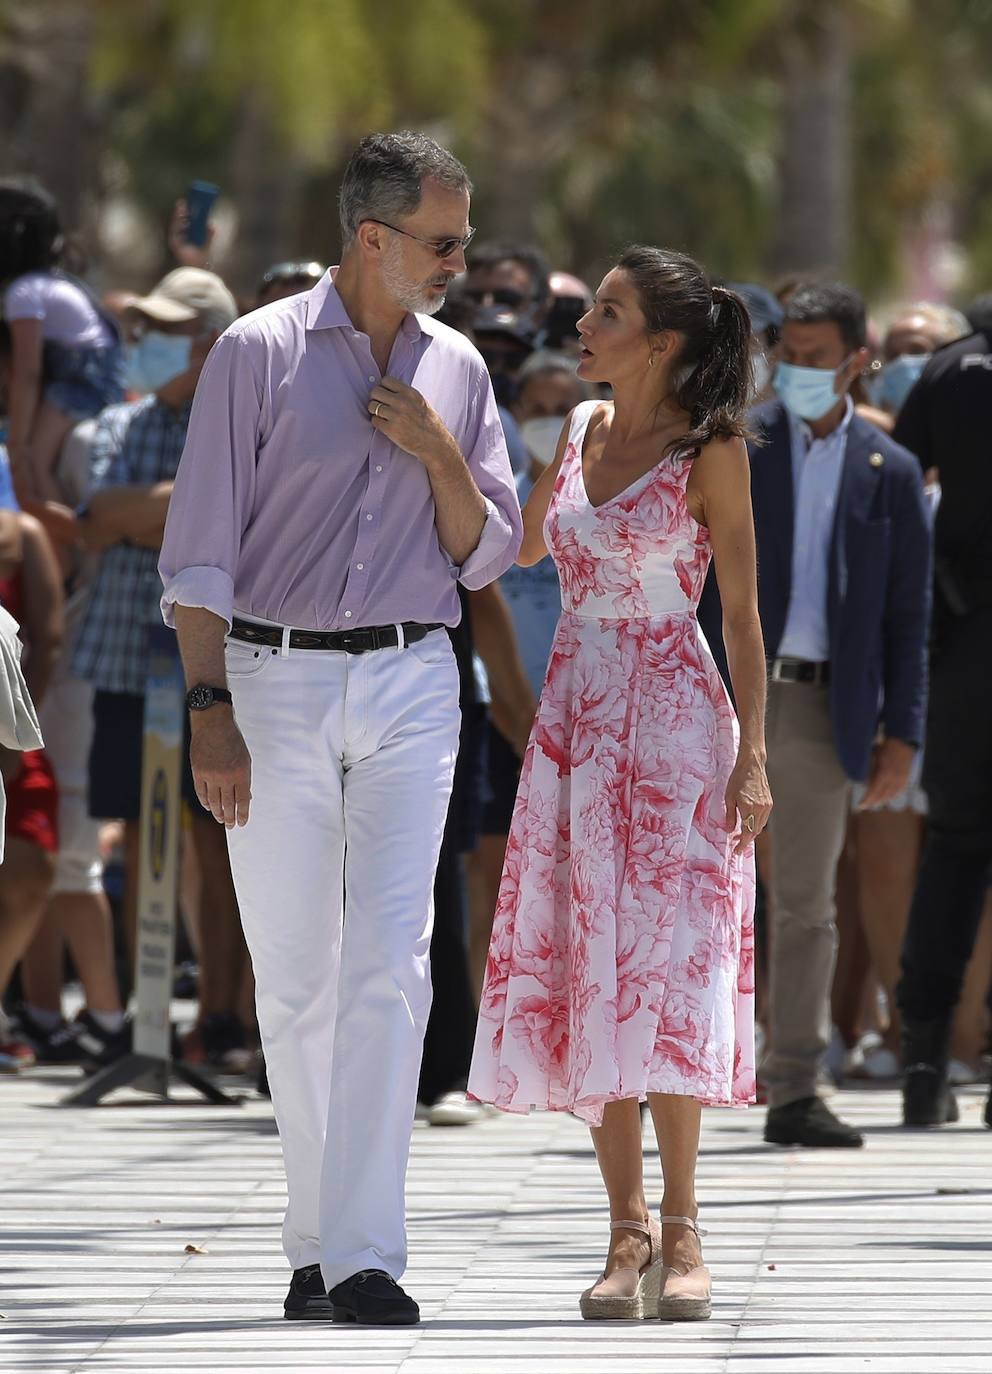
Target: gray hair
<point>946,323</point>
<point>546,360</point>
<point>385,175</point>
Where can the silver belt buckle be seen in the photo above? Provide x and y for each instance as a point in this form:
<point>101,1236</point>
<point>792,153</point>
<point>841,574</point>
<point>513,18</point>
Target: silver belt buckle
<point>776,673</point>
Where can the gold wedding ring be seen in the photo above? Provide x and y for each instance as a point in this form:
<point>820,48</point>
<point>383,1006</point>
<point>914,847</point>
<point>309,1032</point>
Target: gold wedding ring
<point>749,825</point>
<point>378,407</point>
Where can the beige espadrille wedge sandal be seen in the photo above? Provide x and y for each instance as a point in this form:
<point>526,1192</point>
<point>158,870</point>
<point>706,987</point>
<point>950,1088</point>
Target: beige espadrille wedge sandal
<point>685,1297</point>
<point>628,1294</point>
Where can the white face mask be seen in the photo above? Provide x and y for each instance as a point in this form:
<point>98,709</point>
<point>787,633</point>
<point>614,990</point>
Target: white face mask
<point>541,436</point>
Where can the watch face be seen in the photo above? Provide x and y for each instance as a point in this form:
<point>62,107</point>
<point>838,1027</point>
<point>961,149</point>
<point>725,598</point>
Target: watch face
<point>200,698</point>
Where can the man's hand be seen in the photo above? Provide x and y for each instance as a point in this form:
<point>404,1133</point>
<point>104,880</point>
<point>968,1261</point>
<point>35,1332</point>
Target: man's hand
<point>747,800</point>
<point>221,766</point>
<point>185,253</point>
<point>891,765</point>
<point>404,417</point>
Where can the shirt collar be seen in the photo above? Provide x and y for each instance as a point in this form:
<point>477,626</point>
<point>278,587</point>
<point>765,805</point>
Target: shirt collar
<point>801,430</point>
<point>325,310</point>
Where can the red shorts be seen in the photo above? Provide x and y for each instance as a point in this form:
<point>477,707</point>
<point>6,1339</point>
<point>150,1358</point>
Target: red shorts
<point>33,803</point>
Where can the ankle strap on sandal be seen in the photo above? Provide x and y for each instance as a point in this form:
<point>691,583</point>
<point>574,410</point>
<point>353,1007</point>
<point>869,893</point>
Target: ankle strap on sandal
<point>641,1226</point>
<point>686,1221</point>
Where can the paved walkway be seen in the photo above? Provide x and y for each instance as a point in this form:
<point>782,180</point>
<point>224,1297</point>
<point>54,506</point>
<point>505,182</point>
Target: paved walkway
<point>876,1261</point>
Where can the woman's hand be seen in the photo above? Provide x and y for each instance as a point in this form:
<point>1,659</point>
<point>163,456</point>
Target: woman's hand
<point>748,799</point>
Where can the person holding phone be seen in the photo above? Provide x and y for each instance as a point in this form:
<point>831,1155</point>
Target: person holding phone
<point>344,469</point>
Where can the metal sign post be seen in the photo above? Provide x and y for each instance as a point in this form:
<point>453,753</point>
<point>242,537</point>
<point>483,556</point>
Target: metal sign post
<point>150,1065</point>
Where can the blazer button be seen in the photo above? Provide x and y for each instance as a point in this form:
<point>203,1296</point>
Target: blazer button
<point>876,460</point>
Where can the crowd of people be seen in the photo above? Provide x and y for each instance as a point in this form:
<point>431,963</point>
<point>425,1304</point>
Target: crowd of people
<point>874,932</point>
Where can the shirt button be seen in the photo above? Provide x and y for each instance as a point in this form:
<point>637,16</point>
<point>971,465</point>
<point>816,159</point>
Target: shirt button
<point>360,567</point>
<point>347,615</point>
<point>378,467</point>
<point>368,517</point>
<point>371,379</point>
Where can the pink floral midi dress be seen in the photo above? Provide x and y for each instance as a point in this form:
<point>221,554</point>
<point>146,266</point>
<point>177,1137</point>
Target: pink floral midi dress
<point>622,954</point>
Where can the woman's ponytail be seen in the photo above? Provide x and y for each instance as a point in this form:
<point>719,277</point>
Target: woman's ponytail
<point>713,376</point>
<point>718,389</point>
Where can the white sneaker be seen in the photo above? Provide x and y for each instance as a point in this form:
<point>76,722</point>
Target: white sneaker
<point>839,1061</point>
<point>880,1063</point>
<point>454,1109</point>
<point>959,1074</point>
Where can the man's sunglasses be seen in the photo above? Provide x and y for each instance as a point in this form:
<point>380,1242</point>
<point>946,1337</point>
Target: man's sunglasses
<point>442,247</point>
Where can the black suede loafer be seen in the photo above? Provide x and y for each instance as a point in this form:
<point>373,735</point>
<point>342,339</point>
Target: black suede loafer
<point>307,1299</point>
<point>372,1298</point>
<point>810,1122</point>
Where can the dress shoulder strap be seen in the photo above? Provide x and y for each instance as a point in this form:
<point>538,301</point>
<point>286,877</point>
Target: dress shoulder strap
<point>579,423</point>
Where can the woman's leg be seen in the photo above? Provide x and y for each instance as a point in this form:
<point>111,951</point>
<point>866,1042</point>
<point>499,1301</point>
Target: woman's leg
<point>51,427</point>
<point>676,1123</point>
<point>619,1155</point>
<point>25,880</point>
<point>43,965</point>
<point>86,924</point>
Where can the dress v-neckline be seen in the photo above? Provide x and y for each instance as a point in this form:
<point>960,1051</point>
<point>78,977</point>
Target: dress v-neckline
<point>580,450</point>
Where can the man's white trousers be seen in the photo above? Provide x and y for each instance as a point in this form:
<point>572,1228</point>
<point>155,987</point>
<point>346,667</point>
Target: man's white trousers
<point>352,764</point>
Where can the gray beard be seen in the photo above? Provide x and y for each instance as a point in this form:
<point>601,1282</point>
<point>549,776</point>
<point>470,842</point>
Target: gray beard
<point>407,293</point>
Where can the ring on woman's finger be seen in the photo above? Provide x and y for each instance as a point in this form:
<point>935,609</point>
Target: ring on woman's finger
<point>378,408</point>
<point>749,825</point>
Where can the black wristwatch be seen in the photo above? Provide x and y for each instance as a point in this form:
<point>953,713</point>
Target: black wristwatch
<point>201,698</point>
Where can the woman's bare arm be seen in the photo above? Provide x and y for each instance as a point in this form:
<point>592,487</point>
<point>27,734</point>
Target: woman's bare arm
<point>43,607</point>
<point>721,482</point>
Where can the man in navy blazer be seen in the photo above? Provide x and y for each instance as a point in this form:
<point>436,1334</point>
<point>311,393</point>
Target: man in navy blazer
<point>843,593</point>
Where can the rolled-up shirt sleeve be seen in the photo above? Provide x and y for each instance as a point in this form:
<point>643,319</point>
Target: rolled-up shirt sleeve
<point>215,486</point>
<point>489,463</point>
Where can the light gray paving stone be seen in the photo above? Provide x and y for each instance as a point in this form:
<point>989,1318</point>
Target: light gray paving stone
<point>879,1260</point>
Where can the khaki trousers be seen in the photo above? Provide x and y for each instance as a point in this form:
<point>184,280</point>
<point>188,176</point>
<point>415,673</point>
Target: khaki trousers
<point>812,798</point>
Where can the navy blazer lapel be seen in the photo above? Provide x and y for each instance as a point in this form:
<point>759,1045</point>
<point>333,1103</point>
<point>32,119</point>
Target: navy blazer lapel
<point>859,482</point>
<point>771,462</point>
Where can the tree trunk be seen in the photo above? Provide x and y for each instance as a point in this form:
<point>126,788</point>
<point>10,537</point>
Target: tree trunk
<point>52,125</point>
<point>814,163</point>
<point>265,189</point>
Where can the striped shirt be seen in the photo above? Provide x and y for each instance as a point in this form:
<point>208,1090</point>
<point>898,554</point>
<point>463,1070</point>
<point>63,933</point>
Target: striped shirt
<point>135,445</point>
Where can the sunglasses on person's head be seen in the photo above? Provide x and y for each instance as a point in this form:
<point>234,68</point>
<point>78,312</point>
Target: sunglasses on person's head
<point>291,273</point>
<point>442,247</point>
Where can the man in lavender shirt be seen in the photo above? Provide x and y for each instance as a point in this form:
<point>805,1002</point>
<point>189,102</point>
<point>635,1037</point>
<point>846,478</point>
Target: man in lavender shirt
<point>344,468</point>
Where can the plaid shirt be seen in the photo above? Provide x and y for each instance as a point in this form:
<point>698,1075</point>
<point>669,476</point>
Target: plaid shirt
<point>135,445</point>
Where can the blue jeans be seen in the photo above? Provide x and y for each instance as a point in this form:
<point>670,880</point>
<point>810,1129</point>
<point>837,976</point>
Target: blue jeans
<point>82,381</point>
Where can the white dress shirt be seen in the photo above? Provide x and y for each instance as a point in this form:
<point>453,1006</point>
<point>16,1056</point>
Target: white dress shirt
<point>816,471</point>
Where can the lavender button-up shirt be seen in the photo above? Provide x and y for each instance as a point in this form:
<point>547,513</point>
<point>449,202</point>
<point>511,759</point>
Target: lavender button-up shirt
<point>288,505</point>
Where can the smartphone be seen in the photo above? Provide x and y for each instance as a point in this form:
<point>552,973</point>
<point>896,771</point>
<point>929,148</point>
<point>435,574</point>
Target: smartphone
<point>200,197</point>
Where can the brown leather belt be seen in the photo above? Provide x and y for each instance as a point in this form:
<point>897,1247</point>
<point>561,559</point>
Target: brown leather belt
<point>361,640</point>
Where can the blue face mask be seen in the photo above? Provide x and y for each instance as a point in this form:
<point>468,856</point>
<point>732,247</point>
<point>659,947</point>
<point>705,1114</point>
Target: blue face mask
<point>891,385</point>
<point>156,359</point>
<point>808,391</point>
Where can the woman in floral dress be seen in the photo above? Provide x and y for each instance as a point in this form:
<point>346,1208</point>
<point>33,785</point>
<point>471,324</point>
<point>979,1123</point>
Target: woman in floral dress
<point>621,964</point>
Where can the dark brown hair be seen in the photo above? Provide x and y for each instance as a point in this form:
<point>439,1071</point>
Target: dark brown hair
<point>713,377</point>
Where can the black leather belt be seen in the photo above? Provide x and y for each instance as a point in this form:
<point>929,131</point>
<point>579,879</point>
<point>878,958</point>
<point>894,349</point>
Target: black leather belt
<point>798,670</point>
<point>361,640</point>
